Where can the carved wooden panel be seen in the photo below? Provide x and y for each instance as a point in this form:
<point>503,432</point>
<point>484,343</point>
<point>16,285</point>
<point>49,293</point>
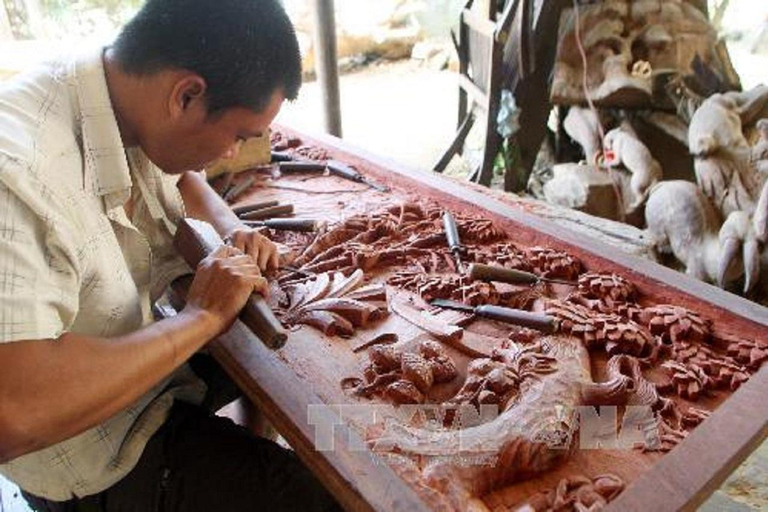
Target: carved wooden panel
<point>669,356</point>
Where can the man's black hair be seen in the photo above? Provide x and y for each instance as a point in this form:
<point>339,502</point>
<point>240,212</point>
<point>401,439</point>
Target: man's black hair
<point>244,49</point>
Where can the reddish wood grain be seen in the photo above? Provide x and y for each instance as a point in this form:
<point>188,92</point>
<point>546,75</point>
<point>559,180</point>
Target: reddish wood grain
<point>308,369</point>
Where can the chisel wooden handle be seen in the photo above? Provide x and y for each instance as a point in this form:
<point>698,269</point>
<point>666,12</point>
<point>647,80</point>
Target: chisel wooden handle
<point>480,272</point>
<point>301,166</point>
<point>253,207</point>
<point>538,321</point>
<point>266,213</point>
<point>238,189</point>
<point>195,240</point>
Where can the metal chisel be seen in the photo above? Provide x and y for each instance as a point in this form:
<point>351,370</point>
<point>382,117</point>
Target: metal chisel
<point>302,225</point>
<point>480,272</point>
<point>334,167</point>
<point>348,173</point>
<point>538,321</point>
<point>452,236</point>
<point>281,156</point>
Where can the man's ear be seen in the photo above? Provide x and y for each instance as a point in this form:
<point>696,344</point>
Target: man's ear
<point>187,95</point>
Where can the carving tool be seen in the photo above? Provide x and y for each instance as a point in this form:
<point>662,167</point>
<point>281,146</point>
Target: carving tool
<point>480,272</point>
<point>300,225</point>
<point>267,213</point>
<point>450,334</point>
<point>255,206</point>
<point>301,166</point>
<point>195,240</point>
<point>294,270</point>
<point>281,156</point>
<point>334,167</point>
<point>452,236</point>
<point>239,188</point>
<point>538,321</point>
<point>348,173</point>
<point>386,338</point>
<point>225,183</point>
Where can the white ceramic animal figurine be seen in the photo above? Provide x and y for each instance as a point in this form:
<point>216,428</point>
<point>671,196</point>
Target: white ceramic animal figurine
<point>624,148</point>
<point>722,153</point>
<point>682,220</point>
<point>583,126</point>
<point>718,123</point>
<point>759,154</point>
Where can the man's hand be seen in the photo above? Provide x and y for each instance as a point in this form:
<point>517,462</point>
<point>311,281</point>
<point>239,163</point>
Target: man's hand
<point>202,203</point>
<point>223,283</point>
<point>254,244</point>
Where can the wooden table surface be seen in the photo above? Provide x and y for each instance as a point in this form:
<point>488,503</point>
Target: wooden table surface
<point>297,387</point>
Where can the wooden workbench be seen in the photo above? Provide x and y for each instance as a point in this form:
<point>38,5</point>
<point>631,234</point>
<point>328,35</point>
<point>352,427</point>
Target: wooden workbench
<point>304,376</point>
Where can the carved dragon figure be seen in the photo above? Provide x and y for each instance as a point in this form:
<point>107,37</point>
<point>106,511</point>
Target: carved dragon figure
<point>537,389</point>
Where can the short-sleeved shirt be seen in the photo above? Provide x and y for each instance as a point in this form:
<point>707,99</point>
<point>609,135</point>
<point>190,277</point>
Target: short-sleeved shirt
<point>71,260</point>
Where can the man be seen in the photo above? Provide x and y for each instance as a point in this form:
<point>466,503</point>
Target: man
<point>98,408</point>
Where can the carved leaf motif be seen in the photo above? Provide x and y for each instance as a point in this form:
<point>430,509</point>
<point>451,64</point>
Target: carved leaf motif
<point>323,303</point>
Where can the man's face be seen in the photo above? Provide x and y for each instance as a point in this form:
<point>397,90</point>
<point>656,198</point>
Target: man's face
<point>197,139</point>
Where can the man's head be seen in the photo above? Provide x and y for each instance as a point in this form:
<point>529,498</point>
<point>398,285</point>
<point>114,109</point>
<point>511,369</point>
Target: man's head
<point>213,73</point>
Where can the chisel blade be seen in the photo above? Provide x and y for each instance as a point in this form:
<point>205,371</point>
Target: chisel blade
<point>450,304</point>
<point>538,321</point>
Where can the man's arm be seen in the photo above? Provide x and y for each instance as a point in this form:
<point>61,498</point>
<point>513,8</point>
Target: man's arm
<point>52,390</point>
<point>203,203</point>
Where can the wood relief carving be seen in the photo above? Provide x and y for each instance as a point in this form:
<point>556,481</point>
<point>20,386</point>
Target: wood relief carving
<point>325,303</point>
<point>610,289</point>
<point>615,346</point>
<point>551,263</point>
<point>430,287</point>
<point>403,377</point>
<point>528,375</point>
<point>617,334</point>
<point>578,493</point>
<point>529,384</point>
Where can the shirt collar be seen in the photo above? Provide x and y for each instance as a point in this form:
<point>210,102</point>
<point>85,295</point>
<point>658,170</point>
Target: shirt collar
<point>106,166</point>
